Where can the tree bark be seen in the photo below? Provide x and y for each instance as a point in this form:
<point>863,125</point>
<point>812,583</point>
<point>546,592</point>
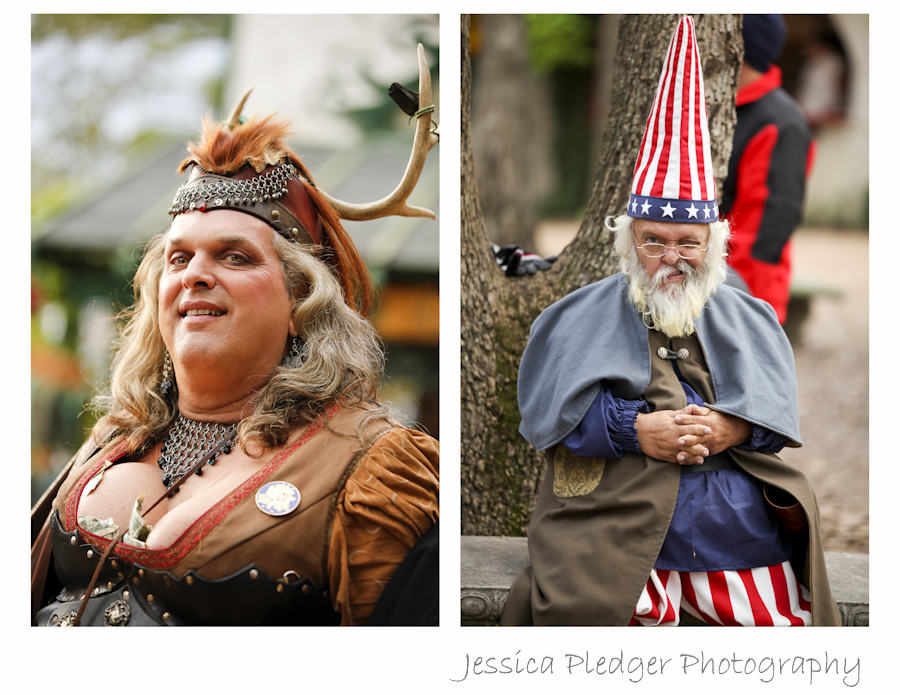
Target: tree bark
<point>500,472</point>
<point>511,132</point>
<point>604,60</point>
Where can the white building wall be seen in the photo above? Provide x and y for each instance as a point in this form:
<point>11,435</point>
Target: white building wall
<point>837,193</point>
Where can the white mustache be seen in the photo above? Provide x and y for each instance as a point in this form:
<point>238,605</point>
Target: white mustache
<point>681,267</point>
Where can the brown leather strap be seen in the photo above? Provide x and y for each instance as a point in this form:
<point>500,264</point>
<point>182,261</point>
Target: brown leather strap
<point>41,546</point>
<point>40,566</point>
<point>168,493</point>
<point>297,202</point>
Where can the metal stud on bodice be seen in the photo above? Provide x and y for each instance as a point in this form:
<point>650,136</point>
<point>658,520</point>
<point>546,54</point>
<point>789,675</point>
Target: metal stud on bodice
<point>188,442</point>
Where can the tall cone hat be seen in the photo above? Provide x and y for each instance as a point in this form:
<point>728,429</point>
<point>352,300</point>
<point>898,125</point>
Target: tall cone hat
<point>673,178</point>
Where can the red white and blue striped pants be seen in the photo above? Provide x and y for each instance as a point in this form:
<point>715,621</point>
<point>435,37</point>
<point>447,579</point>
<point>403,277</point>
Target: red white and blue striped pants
<point>751,597</point>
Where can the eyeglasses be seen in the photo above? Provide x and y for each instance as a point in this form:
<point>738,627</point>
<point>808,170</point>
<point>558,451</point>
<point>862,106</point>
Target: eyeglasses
<point>689,252</point>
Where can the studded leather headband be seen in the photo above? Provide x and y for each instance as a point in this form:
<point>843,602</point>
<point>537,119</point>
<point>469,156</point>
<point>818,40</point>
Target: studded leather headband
<point>258,196</point>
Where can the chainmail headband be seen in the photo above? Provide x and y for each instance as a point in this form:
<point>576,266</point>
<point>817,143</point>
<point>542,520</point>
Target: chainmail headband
<point>257,196</point>
<point>220,190</point>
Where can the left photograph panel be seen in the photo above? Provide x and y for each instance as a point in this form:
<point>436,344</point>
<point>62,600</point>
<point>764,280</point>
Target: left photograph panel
<point>234,320</point>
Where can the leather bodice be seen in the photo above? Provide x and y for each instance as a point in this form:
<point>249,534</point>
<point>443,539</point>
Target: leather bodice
<point>132,595</point>
<point>236,565</point>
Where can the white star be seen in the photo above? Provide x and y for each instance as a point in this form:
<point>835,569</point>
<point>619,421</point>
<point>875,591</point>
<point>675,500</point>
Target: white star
<point>668,210</point>
<point>634,205</point>
<point>645,207</point>
<point>692,211</point>
<point>706,212</point>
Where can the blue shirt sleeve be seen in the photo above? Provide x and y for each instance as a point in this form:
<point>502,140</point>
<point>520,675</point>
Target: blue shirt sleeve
<point>764,440</point>
<point>607,429</point>
<point>761,439</point>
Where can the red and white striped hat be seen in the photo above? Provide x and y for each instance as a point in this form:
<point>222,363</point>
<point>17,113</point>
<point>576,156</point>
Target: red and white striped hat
<point>673,178</point>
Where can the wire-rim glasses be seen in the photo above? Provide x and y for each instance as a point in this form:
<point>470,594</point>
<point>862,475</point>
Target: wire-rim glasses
<point>688,252</point>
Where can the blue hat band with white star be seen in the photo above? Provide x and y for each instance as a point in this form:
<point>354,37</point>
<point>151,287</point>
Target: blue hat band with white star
<point>645,207</point>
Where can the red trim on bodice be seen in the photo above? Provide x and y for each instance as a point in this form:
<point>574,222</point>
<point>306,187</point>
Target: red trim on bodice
<point>169,557</point>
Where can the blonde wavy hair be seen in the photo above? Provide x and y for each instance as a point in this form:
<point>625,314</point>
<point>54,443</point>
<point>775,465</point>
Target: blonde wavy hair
<point>343,359</point>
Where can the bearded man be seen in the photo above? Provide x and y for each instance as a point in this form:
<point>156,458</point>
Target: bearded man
<point>661,397</point>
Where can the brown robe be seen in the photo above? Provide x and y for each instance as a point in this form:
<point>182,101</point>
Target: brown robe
<point>598,525</point>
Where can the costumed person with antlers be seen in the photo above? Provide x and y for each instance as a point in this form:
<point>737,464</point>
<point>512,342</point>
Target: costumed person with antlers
<point>244,399</point>
<point>661,397</point>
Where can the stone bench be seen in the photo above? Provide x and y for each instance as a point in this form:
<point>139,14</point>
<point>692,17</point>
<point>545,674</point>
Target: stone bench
<point>803,293</point>
<point>489,565</point>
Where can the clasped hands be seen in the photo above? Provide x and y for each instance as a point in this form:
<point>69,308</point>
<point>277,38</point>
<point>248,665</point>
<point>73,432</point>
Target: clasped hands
<point>689,435</point>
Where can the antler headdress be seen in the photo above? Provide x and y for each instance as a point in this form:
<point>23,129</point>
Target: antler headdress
<point>247,166</point>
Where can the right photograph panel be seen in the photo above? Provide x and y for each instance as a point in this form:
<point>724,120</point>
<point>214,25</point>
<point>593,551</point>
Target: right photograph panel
<point>664,219</point>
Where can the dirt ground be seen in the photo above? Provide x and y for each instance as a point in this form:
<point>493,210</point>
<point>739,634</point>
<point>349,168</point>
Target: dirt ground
<point>832,359</point>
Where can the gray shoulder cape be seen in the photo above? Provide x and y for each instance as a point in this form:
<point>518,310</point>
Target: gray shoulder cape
<point>595,335</point>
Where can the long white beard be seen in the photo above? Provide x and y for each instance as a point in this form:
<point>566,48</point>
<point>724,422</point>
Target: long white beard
<point>671,308</point>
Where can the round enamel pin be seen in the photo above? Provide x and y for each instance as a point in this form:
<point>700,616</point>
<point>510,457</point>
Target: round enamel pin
<point>277,498</point>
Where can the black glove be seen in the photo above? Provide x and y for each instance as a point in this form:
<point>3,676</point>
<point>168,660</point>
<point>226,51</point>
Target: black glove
<point>514,261</point>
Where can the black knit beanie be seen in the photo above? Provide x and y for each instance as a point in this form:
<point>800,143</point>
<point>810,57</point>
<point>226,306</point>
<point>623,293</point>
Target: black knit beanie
<point>764,37</point>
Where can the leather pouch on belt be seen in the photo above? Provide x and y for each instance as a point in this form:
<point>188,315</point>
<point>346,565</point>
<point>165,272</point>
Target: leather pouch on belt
<point>787,509</point>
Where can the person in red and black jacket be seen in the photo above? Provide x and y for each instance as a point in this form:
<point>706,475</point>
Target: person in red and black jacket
<point>772,156</point>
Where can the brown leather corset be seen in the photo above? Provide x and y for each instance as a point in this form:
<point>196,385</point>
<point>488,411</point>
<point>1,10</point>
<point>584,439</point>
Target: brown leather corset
<point>236,565</point>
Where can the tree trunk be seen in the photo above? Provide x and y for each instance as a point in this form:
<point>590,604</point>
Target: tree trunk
<point>500,471</point>
<point>604,60</point>
<point>511,132</point>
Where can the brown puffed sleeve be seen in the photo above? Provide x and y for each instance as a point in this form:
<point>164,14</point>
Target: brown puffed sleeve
<point>388,502</point>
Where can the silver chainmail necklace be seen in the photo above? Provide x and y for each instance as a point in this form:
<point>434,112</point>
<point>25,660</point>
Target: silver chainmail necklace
<point>188,441</point>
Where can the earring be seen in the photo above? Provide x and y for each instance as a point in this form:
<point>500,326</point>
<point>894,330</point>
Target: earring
<point>167,385</point>
<point>294,358</point>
